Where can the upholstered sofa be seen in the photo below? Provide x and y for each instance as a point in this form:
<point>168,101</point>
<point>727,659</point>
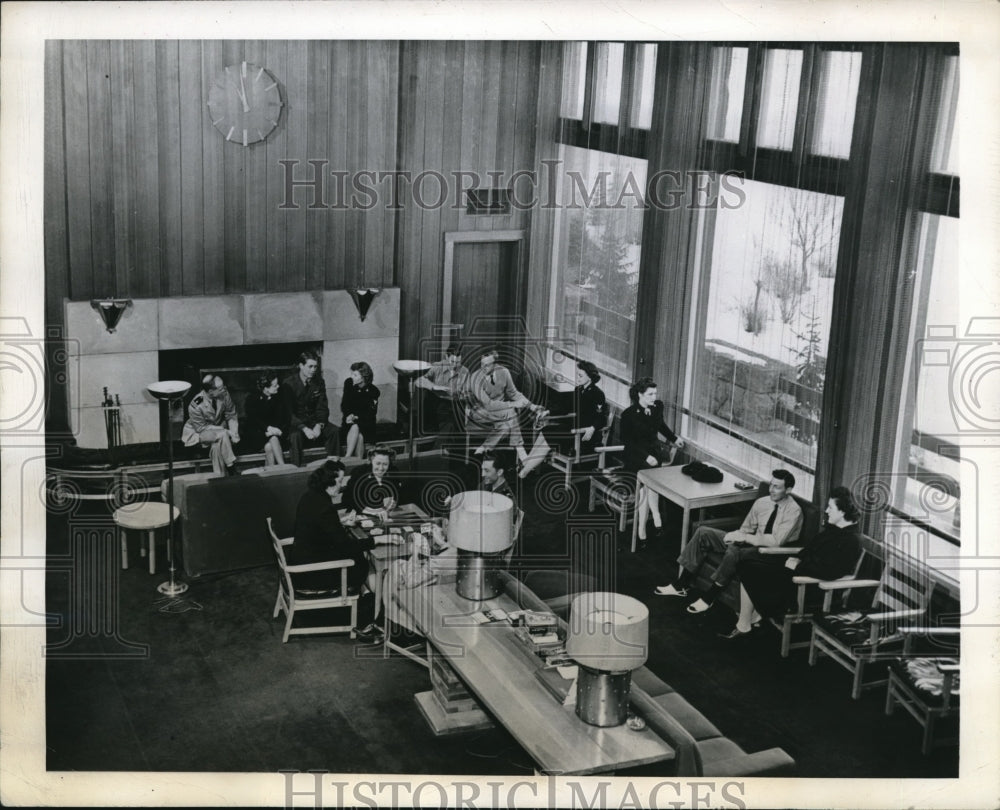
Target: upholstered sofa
<point>702,750</point>
<point>223,519</point>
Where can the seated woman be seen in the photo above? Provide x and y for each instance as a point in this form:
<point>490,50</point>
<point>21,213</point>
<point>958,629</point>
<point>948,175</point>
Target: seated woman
<point>591,416</point>
<point>642,424</point>
<point>378,489</point>
<point>320,536</point>
<point>267,419</point>
<point>766,586</point>
<point>359,406</point>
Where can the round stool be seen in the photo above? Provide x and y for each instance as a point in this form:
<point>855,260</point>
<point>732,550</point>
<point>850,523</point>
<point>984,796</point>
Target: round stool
<point>147,517</point>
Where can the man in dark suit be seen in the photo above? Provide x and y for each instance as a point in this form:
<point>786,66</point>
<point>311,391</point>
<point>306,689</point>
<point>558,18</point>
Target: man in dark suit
<point>305,394</point>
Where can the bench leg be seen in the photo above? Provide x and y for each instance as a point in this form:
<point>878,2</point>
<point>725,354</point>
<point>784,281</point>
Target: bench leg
<point>152,551</point>
<point>124,549</point>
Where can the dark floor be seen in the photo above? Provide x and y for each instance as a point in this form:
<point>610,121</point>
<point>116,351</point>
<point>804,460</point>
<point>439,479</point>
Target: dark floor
<point>214,689</point>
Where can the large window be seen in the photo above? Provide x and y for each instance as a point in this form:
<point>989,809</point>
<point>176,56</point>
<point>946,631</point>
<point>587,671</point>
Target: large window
<point>595,255</point>
<point>606,112</point>
<point>759,347</point>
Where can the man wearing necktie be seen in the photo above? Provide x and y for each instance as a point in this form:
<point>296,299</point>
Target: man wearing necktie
<point>774,520</point>
<point>495,403</point>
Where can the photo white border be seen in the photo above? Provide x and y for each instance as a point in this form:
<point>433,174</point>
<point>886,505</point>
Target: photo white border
<point>975,24</point>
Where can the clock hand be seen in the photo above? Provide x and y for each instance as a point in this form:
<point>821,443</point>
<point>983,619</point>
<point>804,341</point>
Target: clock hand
<point>243,94</point>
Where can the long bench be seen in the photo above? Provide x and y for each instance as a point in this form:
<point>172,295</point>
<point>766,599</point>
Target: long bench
<point>702,750</point>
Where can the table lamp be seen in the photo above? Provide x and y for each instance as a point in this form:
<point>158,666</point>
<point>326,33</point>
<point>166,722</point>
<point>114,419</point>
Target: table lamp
<point>168,391</point>
<point>608,637</point>
<point>481,528</point>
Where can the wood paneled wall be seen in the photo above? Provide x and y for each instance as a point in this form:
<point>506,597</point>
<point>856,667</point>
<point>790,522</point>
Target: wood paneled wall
<point>470,107</point>
<point>145,198</point>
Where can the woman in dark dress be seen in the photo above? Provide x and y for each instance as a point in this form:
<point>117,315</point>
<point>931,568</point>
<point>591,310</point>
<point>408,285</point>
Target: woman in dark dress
<point>642,425</point>
<point>766,586</point>
<point>267,420</point>
<point>360,407</point>
<point>378,489</point>
<point>320,536</point>
<point>591,416</point>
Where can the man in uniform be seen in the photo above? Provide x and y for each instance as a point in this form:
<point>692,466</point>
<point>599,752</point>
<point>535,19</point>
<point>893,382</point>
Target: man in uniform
<point>212,422</point>
<point>446,384</point>
<point>310,410</point>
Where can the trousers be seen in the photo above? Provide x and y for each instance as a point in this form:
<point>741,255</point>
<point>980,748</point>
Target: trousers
<point>220,448</point>
<point>297,442</point>
<point>708,540</point>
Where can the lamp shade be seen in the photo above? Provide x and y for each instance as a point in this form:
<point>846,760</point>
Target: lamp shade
<point>608,632</point>
<point>168,389</point>
<point>481,522</point>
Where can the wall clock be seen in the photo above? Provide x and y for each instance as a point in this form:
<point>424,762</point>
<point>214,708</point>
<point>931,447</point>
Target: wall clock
<point>244,103</point>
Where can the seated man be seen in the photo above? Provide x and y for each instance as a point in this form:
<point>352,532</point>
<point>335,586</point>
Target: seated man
<point>774,520</point>
<point>494,476</point>
<point>305,395</point>
<point>495,403</point>
<point>212,422</point>
<point>446,390</point>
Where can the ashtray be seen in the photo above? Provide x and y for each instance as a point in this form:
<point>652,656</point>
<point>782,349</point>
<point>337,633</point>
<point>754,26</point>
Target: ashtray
<point>635,723</point>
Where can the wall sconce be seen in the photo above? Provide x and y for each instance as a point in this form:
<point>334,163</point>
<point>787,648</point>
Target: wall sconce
<point>363,299</point>
<point>110,310</point>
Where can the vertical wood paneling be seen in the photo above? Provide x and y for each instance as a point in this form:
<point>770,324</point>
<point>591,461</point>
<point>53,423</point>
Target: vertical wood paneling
<point>235,204</point>
<point>146,279</point>
<point>472,110</point>
<point>193,178</point>
<point>122,162</point>
<point>389,141</point>
<point>297,148</point>
<point>168,103</point>
<point>354,258</point>
<point>56,236</point>
<point>213,166</point>
<point>524,127</point>
<point>78,168</point>
<point>102,233</point>
<point>492,69</point>
<point>412,230</point>
<point>336,218</point>
<point>257,196</point>
<point>277,145</point>
<point>375,127</point>
<point>432,242</point>
<point>317,148</point>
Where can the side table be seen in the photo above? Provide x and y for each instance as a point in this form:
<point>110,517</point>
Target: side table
<point>147,517</point>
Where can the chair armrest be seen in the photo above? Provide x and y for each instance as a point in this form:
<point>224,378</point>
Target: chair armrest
<point>318,566</point>
<point>931,631</point>
<point>788,550</point>
<point>803,580</point>
<point>896,614</point>
<point>285,541</point>
<point>609,448</point>
<point>841,584</point>
<point>770,762</point>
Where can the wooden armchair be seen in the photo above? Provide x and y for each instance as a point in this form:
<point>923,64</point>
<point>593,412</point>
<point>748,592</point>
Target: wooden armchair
<point>565,462</point>
<point>926,686</point>
<point>290,599</point>
<point>855,639</point>
<point>612,486</point>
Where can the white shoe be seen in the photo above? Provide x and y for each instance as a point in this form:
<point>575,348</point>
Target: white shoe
<point>699,606</point>
<point>670,590</point>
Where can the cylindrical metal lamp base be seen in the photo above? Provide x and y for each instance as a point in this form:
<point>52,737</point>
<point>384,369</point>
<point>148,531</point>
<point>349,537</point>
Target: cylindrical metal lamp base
<point>602,697</point>
<point>478,578</point>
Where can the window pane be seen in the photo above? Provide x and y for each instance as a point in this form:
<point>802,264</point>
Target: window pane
<point>840,72</point>
<point>945,155</point>
<point>725,101</point>
<point>574,79</point>
<point>761,333</point>
<point>779,98</point>
<point>932,412</point>
<point>643,79</point>
<point>595,254</point>
<point>608,81</point>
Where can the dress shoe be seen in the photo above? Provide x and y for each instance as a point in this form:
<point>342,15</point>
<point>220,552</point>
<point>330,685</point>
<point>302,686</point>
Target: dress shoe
<point>735,633</point>
<point>670,590</point>
<point>700,606</point>
<point>370,633</point>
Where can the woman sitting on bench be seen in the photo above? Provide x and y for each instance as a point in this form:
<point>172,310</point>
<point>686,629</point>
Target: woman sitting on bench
<point>267,420</point>
<point>360,407</point>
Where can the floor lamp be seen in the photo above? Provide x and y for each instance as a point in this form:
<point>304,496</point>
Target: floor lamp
<point>168,391</point>
<point>411,369</point>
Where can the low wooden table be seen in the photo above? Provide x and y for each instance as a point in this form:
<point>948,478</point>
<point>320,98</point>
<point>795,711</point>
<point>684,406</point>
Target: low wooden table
<point>501,672</point>
<point>688,494</point>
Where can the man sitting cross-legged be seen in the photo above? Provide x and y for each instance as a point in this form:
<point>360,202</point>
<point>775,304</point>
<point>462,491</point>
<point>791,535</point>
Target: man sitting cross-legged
<point>774,520</point>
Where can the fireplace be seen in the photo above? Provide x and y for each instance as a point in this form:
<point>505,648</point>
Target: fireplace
<point>239,367</point>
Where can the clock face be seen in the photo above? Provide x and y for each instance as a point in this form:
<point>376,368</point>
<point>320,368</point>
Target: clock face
<point>244,103</point>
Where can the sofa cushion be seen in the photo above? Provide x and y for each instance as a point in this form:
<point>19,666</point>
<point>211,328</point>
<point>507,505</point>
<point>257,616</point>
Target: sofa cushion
<point>649,683</point>
<point>694,721</point>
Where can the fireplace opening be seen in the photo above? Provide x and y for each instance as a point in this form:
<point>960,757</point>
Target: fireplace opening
<point>239,367</point>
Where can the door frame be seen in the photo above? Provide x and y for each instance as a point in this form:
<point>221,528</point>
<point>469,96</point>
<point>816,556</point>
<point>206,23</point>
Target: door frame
<point>465,237</point>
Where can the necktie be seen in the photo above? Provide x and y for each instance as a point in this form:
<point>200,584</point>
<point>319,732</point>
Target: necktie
<point>769,528</point>
<point>492,381</point>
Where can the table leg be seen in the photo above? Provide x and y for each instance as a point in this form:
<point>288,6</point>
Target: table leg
<point>152,551</point>
<point>639,492</point>
<point>685,526</point>
<point>124,549</point>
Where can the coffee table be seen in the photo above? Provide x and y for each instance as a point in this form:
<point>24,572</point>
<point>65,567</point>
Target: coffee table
<point>688,494</point>
<point>501,671</point>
